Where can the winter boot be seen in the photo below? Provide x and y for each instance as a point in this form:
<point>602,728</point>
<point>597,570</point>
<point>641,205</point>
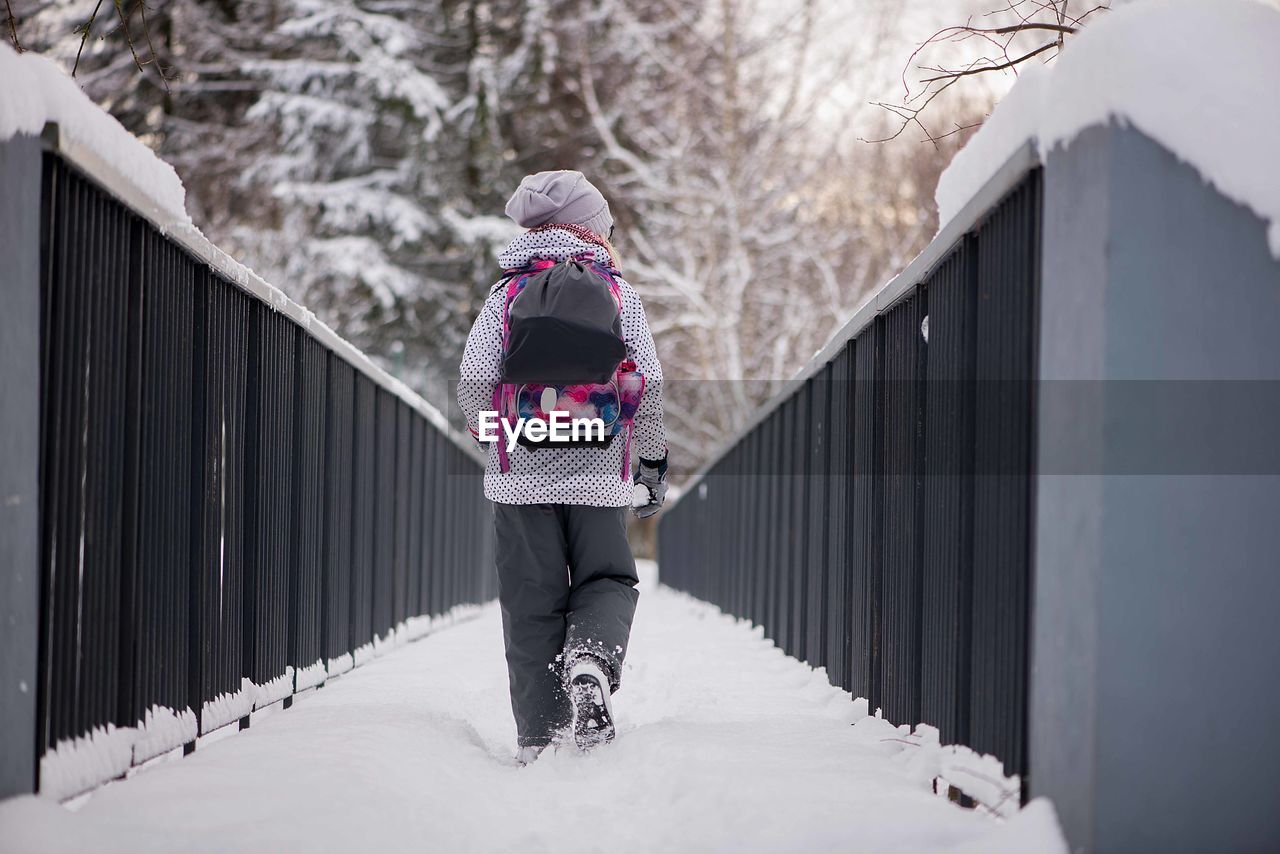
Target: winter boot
<point>528,755</point>
<point>589,695</point>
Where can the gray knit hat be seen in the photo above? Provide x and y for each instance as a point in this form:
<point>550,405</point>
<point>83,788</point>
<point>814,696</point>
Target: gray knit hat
<point>561,195</point>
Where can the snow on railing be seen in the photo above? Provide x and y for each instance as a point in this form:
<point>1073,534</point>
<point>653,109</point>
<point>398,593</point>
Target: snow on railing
<point>39,99</point>
<point>1198,78</point>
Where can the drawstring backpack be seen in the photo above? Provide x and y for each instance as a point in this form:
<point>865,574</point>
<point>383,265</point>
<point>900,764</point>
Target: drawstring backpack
<point>563,350</point>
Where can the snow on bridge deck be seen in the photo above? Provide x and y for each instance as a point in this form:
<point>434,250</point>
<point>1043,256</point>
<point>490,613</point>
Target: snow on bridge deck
<point>724,744</point>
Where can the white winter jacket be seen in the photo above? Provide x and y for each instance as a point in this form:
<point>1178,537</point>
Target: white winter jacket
<point>560,475</point>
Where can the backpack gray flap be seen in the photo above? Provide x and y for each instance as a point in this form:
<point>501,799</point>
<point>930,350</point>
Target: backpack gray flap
<point>564,327</point>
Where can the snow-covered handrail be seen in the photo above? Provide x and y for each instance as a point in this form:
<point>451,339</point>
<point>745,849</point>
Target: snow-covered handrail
<point>39,99</point>
<point>90,160</point>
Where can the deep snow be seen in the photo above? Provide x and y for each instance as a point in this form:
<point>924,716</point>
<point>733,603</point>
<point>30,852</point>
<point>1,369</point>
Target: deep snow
<point>724,744</point>
<point>1200,78</point>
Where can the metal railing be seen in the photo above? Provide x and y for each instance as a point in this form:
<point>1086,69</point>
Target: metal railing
<point>234,504</point>
<point>875,519</point>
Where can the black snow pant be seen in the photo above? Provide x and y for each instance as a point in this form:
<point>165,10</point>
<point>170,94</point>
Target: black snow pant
<point>567,587</point>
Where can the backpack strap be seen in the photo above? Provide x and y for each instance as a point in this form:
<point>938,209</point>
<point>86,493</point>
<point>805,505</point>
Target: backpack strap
<point>514,282</point>
<point>610,276</point>
<point>499,391</point>
<point>511,284</point>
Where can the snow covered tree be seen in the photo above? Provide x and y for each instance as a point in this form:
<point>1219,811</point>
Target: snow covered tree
<point>354,223</point>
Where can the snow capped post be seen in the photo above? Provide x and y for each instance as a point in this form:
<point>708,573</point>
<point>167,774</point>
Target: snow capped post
<point>1155,543</point>
<point>19,459</point>
<point>1155,567</point>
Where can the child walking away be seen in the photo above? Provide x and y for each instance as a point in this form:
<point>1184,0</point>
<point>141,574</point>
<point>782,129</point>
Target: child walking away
<point>563,332</point>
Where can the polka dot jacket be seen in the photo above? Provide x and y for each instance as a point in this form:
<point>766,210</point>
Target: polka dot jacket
<point>560,475</point>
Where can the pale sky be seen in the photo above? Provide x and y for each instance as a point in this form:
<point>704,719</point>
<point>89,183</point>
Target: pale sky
<point>877,37</point>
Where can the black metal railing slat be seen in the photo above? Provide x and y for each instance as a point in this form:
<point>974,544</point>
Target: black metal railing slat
<point>211,477</point>
<point>877,520</point>
<point>947,524</point>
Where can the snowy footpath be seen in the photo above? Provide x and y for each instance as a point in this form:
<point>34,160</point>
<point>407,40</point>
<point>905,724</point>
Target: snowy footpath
<point>724,744</point>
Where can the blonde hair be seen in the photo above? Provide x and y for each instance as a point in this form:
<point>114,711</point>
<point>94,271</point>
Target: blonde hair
<point>613,253</point>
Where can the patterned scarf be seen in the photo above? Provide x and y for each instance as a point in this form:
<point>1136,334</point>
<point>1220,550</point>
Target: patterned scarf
<point>557,242</point>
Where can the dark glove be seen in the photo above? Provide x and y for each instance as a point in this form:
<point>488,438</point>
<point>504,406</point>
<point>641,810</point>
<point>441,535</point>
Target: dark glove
<point>651,487</point>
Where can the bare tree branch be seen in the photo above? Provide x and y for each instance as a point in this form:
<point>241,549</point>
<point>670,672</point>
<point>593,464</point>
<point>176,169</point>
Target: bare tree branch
<point>1028,17</point>
<point>128,37</point>
<point>86,28</point>
<point>146,30</point>
<point>1020,28</point>
<point>948,75</point>
<point>13,27</point>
